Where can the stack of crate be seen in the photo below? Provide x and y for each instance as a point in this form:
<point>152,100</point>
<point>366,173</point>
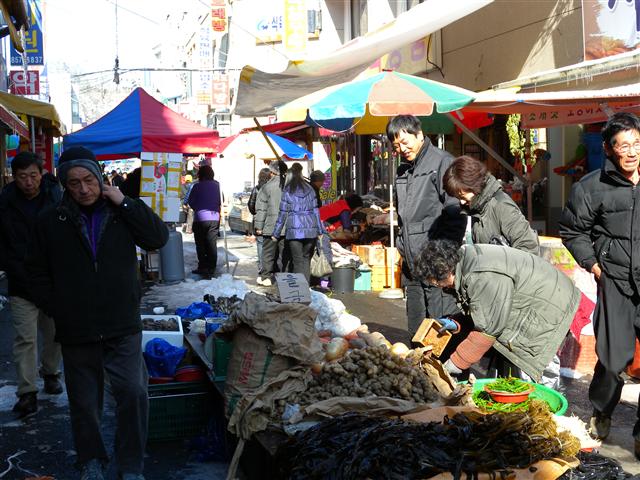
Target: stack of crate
<point>378,258</point>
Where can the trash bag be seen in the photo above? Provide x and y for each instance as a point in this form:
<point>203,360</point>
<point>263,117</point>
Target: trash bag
<point>162,358</point>
<point>195,310</point>
<point>320,266</point>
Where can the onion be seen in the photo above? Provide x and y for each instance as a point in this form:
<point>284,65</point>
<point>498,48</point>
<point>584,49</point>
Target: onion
<point>336,348</point>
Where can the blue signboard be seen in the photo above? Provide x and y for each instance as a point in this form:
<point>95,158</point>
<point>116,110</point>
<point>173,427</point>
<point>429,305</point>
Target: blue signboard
<point>34,47</point>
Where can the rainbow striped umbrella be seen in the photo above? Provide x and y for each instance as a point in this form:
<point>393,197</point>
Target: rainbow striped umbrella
<point>368,103</point>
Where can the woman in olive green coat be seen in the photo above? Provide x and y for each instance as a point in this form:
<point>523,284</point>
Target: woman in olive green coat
<point>495,217</point>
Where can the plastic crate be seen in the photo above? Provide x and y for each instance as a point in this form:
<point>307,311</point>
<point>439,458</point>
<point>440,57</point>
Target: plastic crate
<point>179,410</point>
<point>363,281</point>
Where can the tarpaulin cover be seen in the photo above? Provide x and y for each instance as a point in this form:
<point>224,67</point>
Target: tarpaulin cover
<point>140,123</point>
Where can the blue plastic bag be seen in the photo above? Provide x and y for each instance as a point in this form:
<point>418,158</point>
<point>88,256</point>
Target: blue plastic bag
<point>195,310</point>
<point>162,358</point>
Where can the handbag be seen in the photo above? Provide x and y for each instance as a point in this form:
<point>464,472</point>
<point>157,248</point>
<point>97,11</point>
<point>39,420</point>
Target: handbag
<point>320,266</point>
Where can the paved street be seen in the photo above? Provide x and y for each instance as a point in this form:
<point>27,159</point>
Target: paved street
<point>42,444</point>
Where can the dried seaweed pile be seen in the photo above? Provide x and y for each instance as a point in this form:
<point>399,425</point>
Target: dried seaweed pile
<point>355,446</point>
<point>594,466</point>
<point>370,371</point>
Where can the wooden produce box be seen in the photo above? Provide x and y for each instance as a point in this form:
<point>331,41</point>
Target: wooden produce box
<point>381,277</point>
<point>428,336</point>
<point>376,255</point>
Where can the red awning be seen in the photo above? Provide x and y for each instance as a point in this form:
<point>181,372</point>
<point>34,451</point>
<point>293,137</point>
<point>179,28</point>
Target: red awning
<point>13,123</point>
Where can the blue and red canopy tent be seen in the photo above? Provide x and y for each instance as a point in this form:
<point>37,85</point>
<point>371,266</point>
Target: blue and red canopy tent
<point>140,123</point>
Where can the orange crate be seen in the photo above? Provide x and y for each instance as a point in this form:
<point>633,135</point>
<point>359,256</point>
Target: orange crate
<point>375,255</point>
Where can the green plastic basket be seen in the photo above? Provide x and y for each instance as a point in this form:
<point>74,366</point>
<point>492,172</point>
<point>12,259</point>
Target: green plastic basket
<point>221,355</point>
<point>178,410</point>
<point>557,402</point>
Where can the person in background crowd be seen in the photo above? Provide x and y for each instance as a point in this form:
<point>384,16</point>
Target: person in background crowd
<point>131,185</point>
<point>263,177</point>
<point>267,208</point>
<point>83,268</point>
<point>316,179</point>
<point>495,217</point>
<point>205,201</point>
<point>519,303</point>
<point>300,219</point>
<point>336,216</point>
<point>186,190</point>
<point>20,203</point>
<point>600,227</point>
<point>116,179</point>
<point>425,212</point>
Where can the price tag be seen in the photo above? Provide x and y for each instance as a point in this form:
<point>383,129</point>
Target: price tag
<point>293,288</point>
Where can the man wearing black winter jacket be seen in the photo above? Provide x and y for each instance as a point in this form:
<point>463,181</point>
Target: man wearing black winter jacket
<point>425,212</point>
<point>600,226</point>
<point>20,203</point>
<point>83,269</point>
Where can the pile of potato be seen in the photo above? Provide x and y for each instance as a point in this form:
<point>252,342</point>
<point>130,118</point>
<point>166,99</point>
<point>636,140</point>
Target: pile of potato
<point>374,370</point>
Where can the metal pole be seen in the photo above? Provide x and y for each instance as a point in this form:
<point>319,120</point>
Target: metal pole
<point>32,126</point>
<point>266,138</point>
<point>487,148</point>
<point>527,146</point>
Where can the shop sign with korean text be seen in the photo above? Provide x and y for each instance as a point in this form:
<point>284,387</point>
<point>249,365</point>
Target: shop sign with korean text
<point>552,117</point>
<point>219,23</point>
<point>24,83</point>
<point>205,62</point>
<point>160,183</point>
<point>34,47</point>
<point>610,27</point>
<point>220,91</point>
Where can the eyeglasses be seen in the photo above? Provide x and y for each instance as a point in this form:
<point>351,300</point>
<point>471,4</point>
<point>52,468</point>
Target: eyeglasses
<point>626,148</point>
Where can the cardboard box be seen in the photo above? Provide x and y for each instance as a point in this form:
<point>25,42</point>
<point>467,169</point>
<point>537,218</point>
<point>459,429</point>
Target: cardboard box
<point>174,338</point>
<point>376,255</point>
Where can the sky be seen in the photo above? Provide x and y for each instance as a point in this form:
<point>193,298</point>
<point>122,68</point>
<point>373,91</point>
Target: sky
<point>82,33</point>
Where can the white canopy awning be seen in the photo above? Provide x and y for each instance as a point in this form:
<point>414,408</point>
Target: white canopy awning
<point>259,92</point>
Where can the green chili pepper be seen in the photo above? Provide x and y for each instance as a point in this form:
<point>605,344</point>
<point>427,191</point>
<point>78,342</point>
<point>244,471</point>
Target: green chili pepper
<point>509,385</point>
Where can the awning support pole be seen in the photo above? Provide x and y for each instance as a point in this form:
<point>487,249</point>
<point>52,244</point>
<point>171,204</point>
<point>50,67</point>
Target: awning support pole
<point>527,146</point>
<point>487,148</point>
<point>267,139</point>
<point>32,127</point>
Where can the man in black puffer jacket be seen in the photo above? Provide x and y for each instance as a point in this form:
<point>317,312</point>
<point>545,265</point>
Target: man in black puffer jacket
<point>83,269</point>
<point>20,203</point>
<point>601,228</point>
<point>425,212</point>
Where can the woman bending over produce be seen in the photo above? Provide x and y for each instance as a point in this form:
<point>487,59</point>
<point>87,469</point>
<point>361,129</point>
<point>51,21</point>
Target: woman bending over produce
<point>519,303</point>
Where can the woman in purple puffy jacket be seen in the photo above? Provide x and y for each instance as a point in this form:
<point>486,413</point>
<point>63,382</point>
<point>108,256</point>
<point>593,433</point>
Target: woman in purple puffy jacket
<point>300,218</point>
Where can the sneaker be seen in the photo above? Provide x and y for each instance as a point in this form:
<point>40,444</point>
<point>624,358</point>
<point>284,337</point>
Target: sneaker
<point>26,405</point>
<point>92,470</point>
<point>599,426</point>
<point>52,385</point>
<point>132,476</point>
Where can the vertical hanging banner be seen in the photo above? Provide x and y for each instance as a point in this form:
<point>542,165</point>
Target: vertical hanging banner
<point>295,27</point>
<point>220,90</point>
<point>34,47</point>
<point>219,22</point>
<point>205,62</point>
<point>160,183</point>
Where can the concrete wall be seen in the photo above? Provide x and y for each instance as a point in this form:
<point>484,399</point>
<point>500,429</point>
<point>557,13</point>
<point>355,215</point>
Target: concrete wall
<point>506,40</point>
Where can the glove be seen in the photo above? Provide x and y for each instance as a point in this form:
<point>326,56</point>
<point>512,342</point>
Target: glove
<point>450,367</point>
<point>448,325</point>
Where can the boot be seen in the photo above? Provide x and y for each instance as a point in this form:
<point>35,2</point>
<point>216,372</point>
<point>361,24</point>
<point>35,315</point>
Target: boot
<point>27,405</point>
<point>92,470</point>
<point>52,385</point>
<point>599,425</point>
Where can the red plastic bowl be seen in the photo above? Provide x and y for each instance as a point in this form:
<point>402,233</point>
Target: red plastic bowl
<point>506,397</point>
<point>190,373</point>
